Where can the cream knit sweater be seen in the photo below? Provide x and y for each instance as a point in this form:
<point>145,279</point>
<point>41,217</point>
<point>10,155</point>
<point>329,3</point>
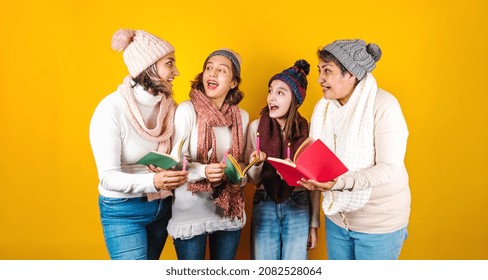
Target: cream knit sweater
<point>388,208</point>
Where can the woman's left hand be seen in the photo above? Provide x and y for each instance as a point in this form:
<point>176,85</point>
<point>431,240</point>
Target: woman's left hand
<point>317,186</point>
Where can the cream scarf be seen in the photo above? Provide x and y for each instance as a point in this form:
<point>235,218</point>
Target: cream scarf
<point>163,131</point>
<point>348,130</point>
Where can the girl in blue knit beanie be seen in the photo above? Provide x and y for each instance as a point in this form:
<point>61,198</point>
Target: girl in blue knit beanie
<point>282,227</point>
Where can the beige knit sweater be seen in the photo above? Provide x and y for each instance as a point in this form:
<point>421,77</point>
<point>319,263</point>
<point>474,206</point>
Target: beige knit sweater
<point>388,208</point>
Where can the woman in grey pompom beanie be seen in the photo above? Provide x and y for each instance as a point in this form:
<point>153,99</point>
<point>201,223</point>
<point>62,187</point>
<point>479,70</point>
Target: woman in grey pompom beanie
<point>134,203</point>
<point>367,209</point>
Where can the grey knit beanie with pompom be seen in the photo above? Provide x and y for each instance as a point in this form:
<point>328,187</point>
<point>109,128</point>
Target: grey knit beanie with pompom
<point>355,55</point>
<point>141,49</point>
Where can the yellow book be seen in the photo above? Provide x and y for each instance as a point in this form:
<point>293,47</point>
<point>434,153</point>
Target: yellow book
<point>233,171</point>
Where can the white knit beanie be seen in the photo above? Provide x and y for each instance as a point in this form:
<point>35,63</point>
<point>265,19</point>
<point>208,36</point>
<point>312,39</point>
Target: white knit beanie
<point>141,49</point>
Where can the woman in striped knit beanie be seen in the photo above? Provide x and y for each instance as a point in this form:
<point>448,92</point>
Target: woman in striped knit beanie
<point>135,204</point>
<point>210,208</point>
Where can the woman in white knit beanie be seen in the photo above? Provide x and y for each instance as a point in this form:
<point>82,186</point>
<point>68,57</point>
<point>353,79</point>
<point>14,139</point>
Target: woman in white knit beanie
<point>367,209</point>
<point>135,204</point>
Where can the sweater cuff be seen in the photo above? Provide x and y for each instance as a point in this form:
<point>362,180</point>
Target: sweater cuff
<point>149,183</point>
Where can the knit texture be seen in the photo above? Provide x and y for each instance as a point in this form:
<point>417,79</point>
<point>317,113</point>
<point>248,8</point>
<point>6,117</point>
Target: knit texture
<point>233,56</point>
<point>296,78</point>
<point>163,131</point>
<point>358,58</point>
<point>274,145</point>
<point>348,130</point>
<point>208,117</point>
<point>141,49</point>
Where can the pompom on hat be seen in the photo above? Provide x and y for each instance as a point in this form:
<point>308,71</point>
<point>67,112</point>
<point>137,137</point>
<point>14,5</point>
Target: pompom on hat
<point>233,56</point>
<point>296,78</point>
<point>141,49</point>
<point>355,55</point>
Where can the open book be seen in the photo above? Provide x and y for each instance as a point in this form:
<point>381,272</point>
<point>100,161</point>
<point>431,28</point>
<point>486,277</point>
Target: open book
<point>313,160</point>
<point>233,171</point>
<point>164,161</point>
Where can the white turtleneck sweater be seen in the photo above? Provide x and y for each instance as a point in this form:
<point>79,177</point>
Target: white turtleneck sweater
<point>117,146</point>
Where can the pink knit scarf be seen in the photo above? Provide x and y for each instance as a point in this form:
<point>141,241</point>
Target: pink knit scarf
<point>163,131</point>
<point>208,117</point>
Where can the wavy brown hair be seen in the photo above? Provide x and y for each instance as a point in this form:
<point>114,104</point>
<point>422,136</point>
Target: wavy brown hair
<point>151,82</point>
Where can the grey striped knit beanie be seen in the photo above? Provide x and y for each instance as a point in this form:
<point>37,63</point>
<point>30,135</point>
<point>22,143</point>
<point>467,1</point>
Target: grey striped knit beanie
<point>233,56</point>
<point>141,49</point>
<point>355,55</point>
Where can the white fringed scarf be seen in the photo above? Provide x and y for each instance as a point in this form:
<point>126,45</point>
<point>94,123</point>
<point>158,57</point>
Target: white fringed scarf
<point>163,131</point>
<point>348,131</point>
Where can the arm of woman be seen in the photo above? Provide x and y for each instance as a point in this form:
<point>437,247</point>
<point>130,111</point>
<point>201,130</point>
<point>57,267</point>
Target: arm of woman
<point>254,173</point>
<point>105,139</point>
<point>390,142</point>
<point>314,219</point>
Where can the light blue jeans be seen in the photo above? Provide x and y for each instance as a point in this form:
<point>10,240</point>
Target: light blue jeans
<point>134,229</point>
<point>222,244</point>
<point>352,245</point>
<point>279,231</point>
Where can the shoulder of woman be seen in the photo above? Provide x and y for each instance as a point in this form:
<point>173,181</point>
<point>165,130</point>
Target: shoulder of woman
<point>111,103</point>
<point>244,114</point>
<point>384,98</point>
<point>185,106</point>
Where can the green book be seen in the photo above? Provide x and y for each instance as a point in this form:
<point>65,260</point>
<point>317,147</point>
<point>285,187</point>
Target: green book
<point>164,161</point>
<point>233,171</point>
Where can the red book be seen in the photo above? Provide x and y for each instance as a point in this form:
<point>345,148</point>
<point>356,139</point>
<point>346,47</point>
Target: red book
<point>313,160</point>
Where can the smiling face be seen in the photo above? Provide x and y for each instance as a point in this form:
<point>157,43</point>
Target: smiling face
<point>218,79</point>
<point>335,85</point>
<point>279,101</point>
<point>166,68</point>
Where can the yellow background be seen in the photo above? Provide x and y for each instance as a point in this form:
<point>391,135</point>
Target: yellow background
<point>56,64</point>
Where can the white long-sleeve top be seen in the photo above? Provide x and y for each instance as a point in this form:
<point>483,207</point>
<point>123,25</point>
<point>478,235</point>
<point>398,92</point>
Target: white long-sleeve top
<point>196,213</point>
<point>117,146</point>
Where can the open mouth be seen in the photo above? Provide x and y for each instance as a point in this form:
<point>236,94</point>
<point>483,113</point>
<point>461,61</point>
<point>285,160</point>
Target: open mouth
<point>273,108</point>
<point>211,84</point>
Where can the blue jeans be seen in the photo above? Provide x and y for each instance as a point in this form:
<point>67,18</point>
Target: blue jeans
<point>279,231</point>
<point>352,245</point>
<point>222,244</point>
<point>134,229</point>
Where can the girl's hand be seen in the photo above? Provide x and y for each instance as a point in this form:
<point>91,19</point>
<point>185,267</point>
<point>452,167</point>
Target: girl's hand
<point>214,172</point>
<point>312,238</point>
<point>260,155</point>
<point>169,179</point>
<point>317,186</point>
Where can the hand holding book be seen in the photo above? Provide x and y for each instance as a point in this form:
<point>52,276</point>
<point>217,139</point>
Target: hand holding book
<point>313,161</point>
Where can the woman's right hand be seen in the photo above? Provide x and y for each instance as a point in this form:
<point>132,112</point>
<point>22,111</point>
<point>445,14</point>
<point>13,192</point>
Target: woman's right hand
<point>214,172</point>
<point>260,155</point>
<point>169,179</point>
